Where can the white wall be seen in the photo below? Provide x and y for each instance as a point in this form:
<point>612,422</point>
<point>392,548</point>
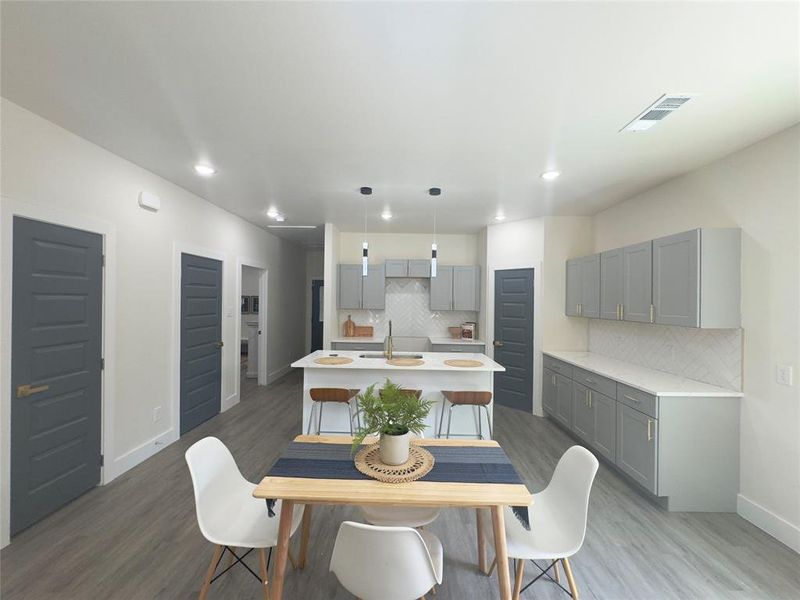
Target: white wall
<point>315,269</point>
<point>758,190</point>
<point>330,325</point>
<point>454,249</point>
<point>51,174</point>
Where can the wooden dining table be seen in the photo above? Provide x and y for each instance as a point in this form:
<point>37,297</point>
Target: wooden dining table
<point>310,491</point>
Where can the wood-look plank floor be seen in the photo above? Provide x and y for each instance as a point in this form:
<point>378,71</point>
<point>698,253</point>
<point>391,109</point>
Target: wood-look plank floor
<point>137,538</point>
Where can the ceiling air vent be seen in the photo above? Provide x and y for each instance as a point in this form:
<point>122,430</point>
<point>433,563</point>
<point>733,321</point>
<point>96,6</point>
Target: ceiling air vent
<point>659,110</point>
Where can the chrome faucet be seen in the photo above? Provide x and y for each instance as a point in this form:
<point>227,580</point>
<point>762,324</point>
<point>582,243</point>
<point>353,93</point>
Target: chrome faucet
<point>387,344</point>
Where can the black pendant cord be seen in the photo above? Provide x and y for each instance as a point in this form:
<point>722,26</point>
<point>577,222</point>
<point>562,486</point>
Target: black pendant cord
<point>238,560</point>
<point>542,574</point>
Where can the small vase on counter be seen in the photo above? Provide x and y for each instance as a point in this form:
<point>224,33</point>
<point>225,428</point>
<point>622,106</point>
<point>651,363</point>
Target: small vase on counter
<point>349,327</point>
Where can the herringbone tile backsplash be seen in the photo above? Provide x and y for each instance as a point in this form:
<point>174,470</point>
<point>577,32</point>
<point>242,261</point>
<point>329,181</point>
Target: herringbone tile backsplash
<point>408,307</point>
<point>710,355</point>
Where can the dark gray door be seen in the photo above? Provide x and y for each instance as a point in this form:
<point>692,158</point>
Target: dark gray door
<point>201,339</point>
<point>513,333</point>
<point>316,314</point>
<point>56,368</point>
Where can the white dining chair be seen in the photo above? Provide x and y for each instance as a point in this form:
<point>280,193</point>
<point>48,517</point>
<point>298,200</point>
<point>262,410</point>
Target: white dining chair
<point>557,517</point>
<point>386,563</point>
<point>228,515</point>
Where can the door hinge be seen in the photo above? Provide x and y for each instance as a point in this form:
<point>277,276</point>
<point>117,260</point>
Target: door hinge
<point>102,364</point>
<point>102,460</point>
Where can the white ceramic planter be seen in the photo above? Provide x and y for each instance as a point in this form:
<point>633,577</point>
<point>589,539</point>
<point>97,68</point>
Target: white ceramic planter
<point>394,448</point>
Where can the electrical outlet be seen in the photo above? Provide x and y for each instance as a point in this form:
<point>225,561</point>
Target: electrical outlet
<point>784,375</point>
<point>156,414</point>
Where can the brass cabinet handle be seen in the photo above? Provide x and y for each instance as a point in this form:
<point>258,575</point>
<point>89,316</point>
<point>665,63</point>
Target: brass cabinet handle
<point>590,398</point>
<point>554,379</point>
<point>652,314</point>
<point>23,391</point>
<point>586,398</point>
<point>621,312</point>
<point>631,398</point>
<point>649,430</point>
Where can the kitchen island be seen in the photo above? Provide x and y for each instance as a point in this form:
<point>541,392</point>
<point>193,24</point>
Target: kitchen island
<point>432,376</point>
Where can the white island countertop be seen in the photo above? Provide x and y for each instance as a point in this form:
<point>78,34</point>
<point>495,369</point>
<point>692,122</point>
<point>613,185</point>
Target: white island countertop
<point>651,381</point>
<point>434,361</point>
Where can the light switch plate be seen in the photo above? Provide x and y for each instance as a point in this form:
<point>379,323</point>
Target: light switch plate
<point>229,312</point>
<point>784,375</point>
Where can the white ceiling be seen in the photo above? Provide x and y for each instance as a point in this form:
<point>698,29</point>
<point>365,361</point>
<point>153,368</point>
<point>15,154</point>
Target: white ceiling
<point>300,104</point>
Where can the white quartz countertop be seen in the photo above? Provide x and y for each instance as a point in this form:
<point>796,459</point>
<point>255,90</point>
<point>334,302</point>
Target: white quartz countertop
<point>358,340</point>
<point>434,361</point>
<point>447,340</point>
<point>651,381</point>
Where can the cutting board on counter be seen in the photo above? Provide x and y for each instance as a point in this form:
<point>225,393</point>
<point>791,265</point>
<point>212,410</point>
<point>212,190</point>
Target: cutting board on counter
<point>363,331</point>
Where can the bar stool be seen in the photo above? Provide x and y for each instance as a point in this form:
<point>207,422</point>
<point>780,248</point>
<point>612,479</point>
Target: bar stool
<point>321,396</point>
<point>474,399</point>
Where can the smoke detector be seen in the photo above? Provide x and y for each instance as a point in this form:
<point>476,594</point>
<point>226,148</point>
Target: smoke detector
<point>658,111</point>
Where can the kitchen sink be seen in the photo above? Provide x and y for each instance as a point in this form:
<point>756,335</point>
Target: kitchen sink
<point>394,355</point>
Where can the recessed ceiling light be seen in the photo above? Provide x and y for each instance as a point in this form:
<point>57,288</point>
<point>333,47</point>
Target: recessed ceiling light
<point>279,218</point>
<point>499,217</point>
<point>204,170</point>
<point>550,175</point>
<point>386,215</point>
<point>291,226</point>
<point>272,213</point>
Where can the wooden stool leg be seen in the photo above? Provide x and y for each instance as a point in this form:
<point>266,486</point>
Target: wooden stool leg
<point>210,573</point>
<point>518,577</point>
<point>262,559</point>
<point>573,589</point>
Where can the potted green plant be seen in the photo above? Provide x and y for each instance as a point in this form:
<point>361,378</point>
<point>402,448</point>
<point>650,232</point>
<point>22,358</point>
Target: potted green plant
<point>393,414</point>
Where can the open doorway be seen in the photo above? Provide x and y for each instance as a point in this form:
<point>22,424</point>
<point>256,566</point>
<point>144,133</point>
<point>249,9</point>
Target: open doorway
<point>252,360</point>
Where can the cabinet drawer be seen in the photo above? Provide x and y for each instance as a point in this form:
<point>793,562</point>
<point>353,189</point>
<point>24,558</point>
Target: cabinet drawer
<point>641,401</point>
<point>556,365</point>
<point>474,348</point>
<point>595,382</point>
<point>356,346</point>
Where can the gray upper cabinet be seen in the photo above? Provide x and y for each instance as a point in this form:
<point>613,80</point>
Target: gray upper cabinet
<point>374,288</point>
<point>676,279</point>
<point>419,268</point>
<point>611,284</point>
<point>583,287</point>
<point>442,289</point>
<point>350,285</point>
<point>396,268</point>
<point>357,291</point>
<point>637,446</point>
<point>466,288</point>
<point>573,288</point>
<point>637,276</point>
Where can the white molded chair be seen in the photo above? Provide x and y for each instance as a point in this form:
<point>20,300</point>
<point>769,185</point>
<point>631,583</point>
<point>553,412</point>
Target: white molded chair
<point>386,563</point>
<point>557,518</point>
<point>227,513</point>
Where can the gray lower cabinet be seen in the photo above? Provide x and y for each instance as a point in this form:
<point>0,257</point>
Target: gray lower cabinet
<point>563,412</point>
<point>469,348</point>
<point>357,346</point>
<point>637,446</point>
<point>357,291</point>
<point>549,392</point>
<point>605,425</point>
<point>582,412</point>
<point>611,284</point>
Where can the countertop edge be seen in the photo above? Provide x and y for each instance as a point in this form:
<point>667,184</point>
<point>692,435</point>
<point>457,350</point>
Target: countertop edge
<point>720,392</point>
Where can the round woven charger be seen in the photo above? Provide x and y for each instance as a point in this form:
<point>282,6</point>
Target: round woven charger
<point>333,360</point>
<point>419,464</point>
<point>463,362</point>
<point>406,362</point>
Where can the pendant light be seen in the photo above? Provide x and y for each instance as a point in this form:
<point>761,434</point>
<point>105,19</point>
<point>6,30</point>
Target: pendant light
<point>365,191</point>
<point>434,191</point>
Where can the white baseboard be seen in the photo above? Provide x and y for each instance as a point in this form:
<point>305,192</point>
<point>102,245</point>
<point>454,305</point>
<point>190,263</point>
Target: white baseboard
<point>229,402</point>
<point>278,373</point>
<point>775,525</point>
<point>140,454</point>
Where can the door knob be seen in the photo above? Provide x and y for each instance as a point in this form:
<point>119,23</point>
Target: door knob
<point>23,391</point>
<point>497,343</point>
<point>220,344</point>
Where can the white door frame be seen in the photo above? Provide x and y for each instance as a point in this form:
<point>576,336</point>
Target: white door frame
<point>177,250</point>
<point>8,210</point>
<point>263,288</point>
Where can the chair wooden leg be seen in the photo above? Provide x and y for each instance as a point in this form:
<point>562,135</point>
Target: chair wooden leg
<point>292,560</point>
<point>262,559</point>
<point>518,577</point>
<point>231,554</point>
<point>573,589</point>
<point>491,567</point>
<point>556,571</point>
<point>210,573</point>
